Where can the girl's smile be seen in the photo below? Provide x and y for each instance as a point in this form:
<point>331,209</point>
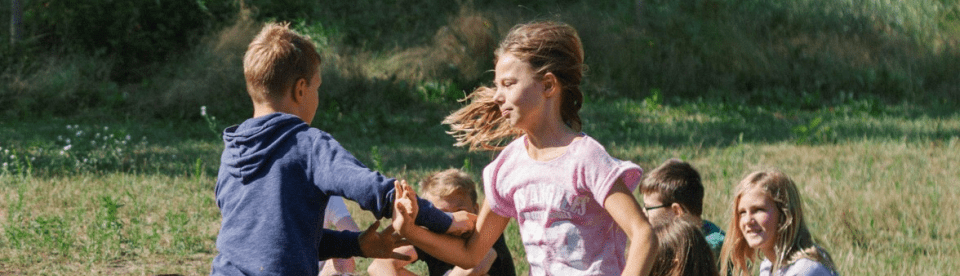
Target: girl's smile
<point>758,219</point>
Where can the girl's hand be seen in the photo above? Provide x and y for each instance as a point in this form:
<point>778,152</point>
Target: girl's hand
<point>405,207</point>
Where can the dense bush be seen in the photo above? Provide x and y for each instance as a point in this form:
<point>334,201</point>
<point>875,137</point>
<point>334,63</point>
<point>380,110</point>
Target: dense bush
<point>167,58</point>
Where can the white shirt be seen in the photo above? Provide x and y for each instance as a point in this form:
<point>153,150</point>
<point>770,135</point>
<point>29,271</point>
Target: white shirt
<point>802,267</point>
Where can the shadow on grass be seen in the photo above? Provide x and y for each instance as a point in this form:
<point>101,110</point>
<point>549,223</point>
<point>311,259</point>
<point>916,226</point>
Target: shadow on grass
<point>405,135</point>
<point>716,123</point>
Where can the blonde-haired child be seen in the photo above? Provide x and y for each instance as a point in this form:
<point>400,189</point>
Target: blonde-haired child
<point>572,200</point>
<point>449,190</point>
<point>768,219</point>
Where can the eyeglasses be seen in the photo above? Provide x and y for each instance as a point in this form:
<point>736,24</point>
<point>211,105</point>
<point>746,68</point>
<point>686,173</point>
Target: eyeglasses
<point>654,207</point>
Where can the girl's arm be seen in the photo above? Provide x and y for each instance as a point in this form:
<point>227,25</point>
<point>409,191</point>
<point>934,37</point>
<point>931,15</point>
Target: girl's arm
<point>456,251</point>
<point>481,269</point>
<point>624,209</point>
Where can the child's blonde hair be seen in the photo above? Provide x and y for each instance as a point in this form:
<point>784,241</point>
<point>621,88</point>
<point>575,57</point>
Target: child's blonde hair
<point>682,250</point>
<point>275,59</point>
<point>447,182</point>
<point>793,239</point>
<point>549,47</point>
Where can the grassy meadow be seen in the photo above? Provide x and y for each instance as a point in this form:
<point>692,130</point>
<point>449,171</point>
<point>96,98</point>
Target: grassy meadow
<point>857,101</point>
<point>879,189</point>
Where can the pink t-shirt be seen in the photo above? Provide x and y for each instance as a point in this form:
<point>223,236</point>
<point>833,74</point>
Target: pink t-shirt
<point>559,206</point>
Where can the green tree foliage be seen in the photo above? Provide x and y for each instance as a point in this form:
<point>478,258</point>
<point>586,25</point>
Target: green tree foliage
<point>135,33</point>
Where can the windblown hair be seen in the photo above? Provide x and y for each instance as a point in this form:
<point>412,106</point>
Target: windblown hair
<point>447,182</point>
<point>793,239</point>
<point>682,249</point>
<point>676,181</point>
<point>275,59</point>
<point>549,47</point>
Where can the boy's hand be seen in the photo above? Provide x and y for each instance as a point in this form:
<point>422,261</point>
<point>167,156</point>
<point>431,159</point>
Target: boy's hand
<point>381,245</point>
<point>463,225</point>
<point>405,206</point>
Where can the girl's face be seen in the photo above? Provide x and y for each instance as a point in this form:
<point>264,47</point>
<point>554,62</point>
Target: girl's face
<point>759,217</point>
<point>519,92</point>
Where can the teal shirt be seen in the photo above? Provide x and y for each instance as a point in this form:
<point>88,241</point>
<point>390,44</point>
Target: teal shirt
<point>714,237</point>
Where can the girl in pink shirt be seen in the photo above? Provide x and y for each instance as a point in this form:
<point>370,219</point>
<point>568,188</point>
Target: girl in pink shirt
<point>572,200</point>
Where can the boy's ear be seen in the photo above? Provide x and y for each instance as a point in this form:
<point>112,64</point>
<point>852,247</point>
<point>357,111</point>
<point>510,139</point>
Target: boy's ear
<point>299,89</point>
<point>677,209</point>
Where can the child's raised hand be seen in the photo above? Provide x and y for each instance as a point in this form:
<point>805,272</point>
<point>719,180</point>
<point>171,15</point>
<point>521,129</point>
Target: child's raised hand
<point>405,206</point>
<point>381,245</point>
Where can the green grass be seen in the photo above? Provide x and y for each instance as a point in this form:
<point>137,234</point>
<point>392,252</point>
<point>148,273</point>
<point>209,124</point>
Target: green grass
<point>878,183</point>
<point>856,100</point>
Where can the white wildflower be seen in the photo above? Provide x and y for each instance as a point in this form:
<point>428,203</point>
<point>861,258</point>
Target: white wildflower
<point>203,111</point>
<point>69,127</point>
<point>67,147</point>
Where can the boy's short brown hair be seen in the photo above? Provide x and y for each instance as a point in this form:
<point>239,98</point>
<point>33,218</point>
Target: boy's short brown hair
<point>447,182</point>
<point>676,182</point>
<point>275,59</point>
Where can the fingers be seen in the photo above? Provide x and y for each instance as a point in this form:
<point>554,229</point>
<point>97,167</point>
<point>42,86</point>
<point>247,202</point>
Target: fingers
<point>398,256</point>
<point>463,225</point>
<point>387,231</point>
<point>373,228</point>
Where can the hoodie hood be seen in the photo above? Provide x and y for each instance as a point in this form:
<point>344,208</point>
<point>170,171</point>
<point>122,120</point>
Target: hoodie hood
<point>247,146</point>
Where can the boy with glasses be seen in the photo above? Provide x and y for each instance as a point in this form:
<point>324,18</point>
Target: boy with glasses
<point>672,189</point>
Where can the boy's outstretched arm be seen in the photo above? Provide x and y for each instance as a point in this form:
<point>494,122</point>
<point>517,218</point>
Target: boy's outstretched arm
<point>624,209</point>
<point>456,251</point>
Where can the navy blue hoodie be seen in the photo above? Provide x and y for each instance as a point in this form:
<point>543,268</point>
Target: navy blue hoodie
<point>276,175</point>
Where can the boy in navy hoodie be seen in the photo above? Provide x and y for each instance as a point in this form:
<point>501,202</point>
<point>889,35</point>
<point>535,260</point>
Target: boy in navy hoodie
<point>277,173</point>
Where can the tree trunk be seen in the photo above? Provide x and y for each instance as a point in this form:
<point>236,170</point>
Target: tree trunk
<point>16,23</point>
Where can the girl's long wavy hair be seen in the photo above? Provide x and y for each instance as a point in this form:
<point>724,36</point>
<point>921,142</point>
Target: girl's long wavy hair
<point>682,249</point>
<point>549,47</point>
<point>793,239</point>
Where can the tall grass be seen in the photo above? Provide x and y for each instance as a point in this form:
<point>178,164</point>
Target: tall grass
<point>762,51</point>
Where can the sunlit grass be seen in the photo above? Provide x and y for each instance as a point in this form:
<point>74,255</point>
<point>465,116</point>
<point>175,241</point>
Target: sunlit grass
<point>879,183</point>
